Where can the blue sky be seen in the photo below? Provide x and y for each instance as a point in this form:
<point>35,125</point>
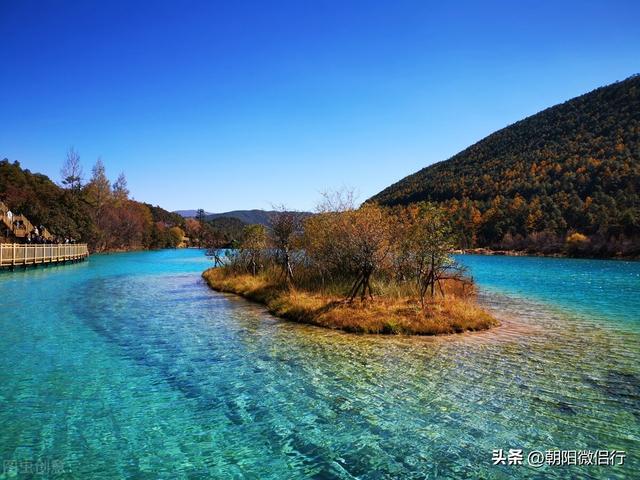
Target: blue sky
<point>234,105</point>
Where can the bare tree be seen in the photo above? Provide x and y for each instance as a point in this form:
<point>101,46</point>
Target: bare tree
<point>253,246</point>
<point>216,255</point>
<point>349,243</point>
<point>286,228</point>
<point>214,242</point>
<point>368,244</point>
<point>71,171</point>
<point>334,201</point>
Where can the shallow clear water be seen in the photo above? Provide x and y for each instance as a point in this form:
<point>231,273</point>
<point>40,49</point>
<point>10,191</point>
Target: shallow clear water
<point>127,366</point>
<point>606,290</point>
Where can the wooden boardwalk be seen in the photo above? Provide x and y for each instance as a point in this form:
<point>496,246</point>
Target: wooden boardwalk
<point>16,254</point>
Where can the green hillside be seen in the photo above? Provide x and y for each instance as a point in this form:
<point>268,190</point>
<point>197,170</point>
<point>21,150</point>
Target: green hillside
<point>572,168</point>
<point>228,229</point>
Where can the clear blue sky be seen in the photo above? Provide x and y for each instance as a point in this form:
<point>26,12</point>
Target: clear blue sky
<point>234,105</point>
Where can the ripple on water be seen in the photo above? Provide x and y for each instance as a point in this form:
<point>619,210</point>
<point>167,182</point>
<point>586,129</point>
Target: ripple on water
<point>154,375</point>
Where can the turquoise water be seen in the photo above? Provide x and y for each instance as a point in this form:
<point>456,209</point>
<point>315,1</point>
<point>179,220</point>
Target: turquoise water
<point>127,366</point>
<point>597,289</point>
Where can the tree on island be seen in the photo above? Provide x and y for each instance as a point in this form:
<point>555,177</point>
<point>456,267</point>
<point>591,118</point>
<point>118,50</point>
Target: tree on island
<point>341,240</point>
<point>286,229</point>
<point>344,251</point>
<point>426,239</point>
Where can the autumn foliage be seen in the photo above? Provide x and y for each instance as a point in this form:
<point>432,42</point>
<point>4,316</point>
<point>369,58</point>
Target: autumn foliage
<point>367,269</point>
<point>93,210</point>
<point>571,168</point>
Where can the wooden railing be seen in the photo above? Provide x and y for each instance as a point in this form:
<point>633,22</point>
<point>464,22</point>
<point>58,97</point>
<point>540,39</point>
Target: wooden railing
<point>12,254</point>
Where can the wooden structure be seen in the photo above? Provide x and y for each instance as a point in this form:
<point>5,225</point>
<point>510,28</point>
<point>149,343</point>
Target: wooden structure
<point>17,254</point>
<point>21,226</point>
<point>18,227</point>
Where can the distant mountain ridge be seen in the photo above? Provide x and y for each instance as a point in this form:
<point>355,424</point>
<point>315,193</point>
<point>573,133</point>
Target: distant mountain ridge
<point>189,213</point>
<point>261,217</point>
<point>256,216</point>
<point>574,167</point>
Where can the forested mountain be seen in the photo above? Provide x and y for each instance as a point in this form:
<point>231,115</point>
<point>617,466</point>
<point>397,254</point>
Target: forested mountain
<point>248,217</point>
<point>245,216</point>
<point>98,213</point>
<point>565,178</point>
<point>159,214</point>
<point>229,229</point>
<point>262,217</point>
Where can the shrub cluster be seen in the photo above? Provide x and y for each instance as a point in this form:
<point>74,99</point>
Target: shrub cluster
<point>353,252</point>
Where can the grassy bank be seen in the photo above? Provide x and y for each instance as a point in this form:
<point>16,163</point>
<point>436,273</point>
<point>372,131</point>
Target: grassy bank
<point>386,314</point>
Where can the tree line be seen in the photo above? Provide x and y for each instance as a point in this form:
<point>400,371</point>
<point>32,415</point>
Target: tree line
<point>92,210</point>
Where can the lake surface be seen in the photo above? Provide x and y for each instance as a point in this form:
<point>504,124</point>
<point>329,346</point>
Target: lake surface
<point>128,366</point>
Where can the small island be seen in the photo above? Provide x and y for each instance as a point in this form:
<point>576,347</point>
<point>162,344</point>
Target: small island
<point>370,269</point>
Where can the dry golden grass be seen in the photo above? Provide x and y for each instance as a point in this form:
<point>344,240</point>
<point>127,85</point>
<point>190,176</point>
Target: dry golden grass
<point>385,314</point>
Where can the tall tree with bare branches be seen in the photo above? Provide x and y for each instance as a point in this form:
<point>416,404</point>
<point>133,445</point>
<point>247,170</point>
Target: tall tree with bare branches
<point>347,242</point>
<point>286,228</point>
<point>71,171</point>
<point>252,247</point>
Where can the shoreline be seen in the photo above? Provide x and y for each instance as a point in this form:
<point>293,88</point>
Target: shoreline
<point>383,316</point>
